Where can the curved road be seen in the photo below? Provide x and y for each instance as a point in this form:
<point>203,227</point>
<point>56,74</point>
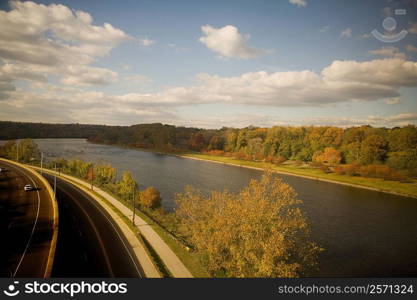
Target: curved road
<point>26,224</point>
<point>90,243</point>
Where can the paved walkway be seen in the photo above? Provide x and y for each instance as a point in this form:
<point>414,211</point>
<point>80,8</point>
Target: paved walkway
<point>170,259</point>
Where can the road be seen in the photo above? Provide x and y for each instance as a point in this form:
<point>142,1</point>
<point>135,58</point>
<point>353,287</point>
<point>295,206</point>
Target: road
<point>26,224</point>
<point>90,244</point>
<point>169,258</point>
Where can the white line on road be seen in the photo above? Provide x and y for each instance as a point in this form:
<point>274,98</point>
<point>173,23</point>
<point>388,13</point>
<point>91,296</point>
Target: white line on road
<point>34,224</point>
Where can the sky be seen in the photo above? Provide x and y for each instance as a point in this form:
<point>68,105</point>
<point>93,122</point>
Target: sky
<point>209,64</point>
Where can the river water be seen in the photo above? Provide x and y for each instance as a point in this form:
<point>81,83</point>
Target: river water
<point>363,232</point>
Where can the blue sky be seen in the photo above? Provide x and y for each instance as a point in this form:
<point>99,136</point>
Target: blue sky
<point>208,63</point>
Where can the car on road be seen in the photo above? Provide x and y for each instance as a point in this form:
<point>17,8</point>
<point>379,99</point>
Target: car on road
<point>28,187</point>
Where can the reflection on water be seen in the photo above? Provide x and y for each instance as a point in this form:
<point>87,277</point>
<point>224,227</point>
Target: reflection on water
<point>364,233</point>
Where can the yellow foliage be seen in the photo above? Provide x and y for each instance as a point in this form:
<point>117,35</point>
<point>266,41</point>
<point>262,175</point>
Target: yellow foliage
<point>258,232</point>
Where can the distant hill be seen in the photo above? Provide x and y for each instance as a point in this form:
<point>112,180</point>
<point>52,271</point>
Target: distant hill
<point>19,130</point>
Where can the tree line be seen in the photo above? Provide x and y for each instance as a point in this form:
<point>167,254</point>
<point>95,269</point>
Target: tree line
<point>395,149</point>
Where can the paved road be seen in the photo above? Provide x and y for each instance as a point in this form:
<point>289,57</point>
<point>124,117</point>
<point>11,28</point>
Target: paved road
<point>26,224</point>
<point>170,259</point>
<point>90,244</point>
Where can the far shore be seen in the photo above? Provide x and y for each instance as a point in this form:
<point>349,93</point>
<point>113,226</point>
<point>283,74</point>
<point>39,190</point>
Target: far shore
<point>373,184</point>
<point>242,164</point>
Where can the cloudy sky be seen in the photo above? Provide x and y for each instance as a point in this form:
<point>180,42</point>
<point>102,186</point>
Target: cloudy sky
<point>209,63</point>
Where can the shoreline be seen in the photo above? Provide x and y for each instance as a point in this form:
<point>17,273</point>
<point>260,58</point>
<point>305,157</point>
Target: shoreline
<point>303,176</point>
<point>187,156</point>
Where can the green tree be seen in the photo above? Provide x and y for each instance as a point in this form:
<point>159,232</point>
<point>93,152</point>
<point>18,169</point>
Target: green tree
<point>104,174</point>
<point>126,186</point>
<point>373,149</point>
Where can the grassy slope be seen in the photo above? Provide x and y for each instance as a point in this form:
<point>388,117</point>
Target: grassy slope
<point>407,189</point>
<point>190,259</point>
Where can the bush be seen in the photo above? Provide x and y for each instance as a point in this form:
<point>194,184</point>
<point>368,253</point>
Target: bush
<point>325,169</point>
<point>150,198</point>
<point>381,171</point>
<point>214,152</point>
<point>339,170</point>
<point>351,170</point>
<point>298,162</point>
<point>280,160</point>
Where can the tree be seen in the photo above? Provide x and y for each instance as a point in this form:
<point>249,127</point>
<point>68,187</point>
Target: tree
<point>150,198</point>
<point>126,186</point>
<point>258,232</point>
<point>104,174</point>
<point>330,155</point>
<point>373,149</point>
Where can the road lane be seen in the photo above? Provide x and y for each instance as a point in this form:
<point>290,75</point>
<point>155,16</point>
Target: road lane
<point>90,244</point>
<point>26,225</point>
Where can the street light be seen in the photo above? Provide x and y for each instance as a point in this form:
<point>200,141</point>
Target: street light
<point>17,151</point>
<point>134,204</point>
<point>55,182</point>
<point>41,163</point>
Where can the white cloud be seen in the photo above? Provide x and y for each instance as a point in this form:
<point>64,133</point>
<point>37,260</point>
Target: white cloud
<point>365,36</point>
<point>346,33</point>
<point>138,79</point>
<point>177,48</point>
<point>146,42</point>
<point>228,42</point>
<point>342,81</point>
<point>392,101</point>
<point>299,2</point>
<point>388,52</point>
<point>126,67</point>
<point>85,76</point>
<point>55,40</point>
<point>324,29</point>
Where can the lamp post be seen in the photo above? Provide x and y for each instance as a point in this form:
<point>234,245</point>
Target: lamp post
<point>55,181</point>
<point>41,163</point>
<point>134,204</point>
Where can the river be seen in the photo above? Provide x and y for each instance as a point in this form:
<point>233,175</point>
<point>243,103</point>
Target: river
<point>364,233</point>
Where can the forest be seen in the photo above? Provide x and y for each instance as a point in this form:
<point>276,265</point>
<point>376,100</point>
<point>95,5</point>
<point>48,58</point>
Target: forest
<point>388,152</point>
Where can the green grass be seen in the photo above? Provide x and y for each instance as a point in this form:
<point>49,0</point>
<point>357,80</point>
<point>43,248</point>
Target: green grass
<point>406,189</point>
<point>189,258</point>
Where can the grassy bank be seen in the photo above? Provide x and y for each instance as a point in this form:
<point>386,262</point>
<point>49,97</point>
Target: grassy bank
<point>189,258</point>
<point>393,187</point>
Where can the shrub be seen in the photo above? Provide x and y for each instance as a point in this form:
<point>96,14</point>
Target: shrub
<point>351,170</point>
<point>339,170</point>
<point>325,169</point>
<point>150,198</point>
<point>280,160</point>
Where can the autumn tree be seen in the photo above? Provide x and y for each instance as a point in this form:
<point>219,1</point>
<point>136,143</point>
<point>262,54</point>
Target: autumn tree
<point>104,173</point>
<point>329,155</point>
<point>258,232</point>
<point>150,198</point>
<point>126,186</point>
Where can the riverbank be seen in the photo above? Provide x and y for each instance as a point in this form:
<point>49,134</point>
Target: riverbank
<point>375,184</point>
